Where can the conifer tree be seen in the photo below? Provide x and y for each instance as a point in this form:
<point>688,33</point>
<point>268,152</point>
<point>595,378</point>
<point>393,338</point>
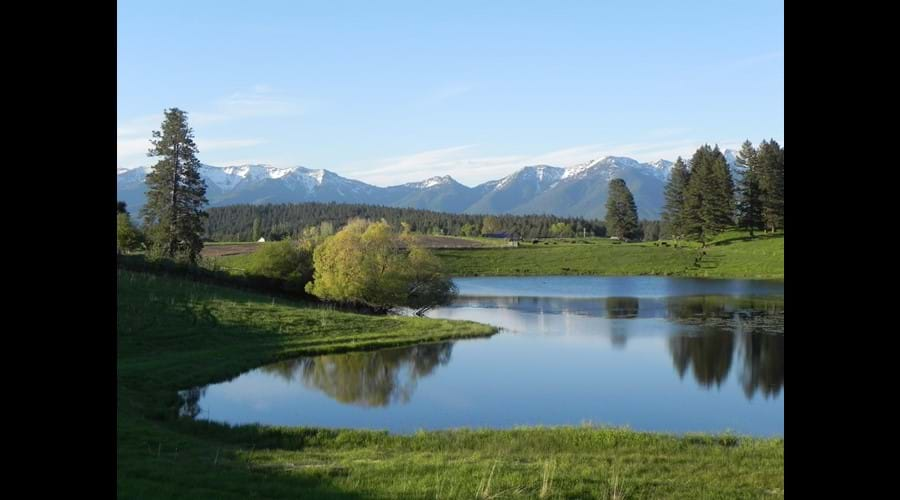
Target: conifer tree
<point>691,222</point>
<point>674,217</point>
<point>255,235</point>
<point>621,212</point>
<point>176,194</point>
<point>710,199</point>
<point>771,163</point>
<point>749,204</point>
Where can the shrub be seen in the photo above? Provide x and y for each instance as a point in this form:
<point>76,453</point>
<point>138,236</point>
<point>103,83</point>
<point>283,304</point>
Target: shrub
<point>128,238</point>
<point>365,263</point>
<point>285,260</point>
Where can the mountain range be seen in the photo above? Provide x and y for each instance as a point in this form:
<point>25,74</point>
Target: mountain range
<point>578,191</point>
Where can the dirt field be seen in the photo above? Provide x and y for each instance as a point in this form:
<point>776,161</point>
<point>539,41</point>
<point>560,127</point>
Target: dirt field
<point>436,242</point>
<point>449,242</point>
<point>233,249</point>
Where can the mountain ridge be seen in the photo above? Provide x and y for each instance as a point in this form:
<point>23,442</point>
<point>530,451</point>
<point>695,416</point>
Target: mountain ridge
<point>578,191</point>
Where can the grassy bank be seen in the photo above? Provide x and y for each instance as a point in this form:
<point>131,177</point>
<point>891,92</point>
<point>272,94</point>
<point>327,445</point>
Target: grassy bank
<point>731,255</point>
<point>174,334</point>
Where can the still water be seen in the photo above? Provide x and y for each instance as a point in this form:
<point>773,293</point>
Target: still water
<point>649,353</point>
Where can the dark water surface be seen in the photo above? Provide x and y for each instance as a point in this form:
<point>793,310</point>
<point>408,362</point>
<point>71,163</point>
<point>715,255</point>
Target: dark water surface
<point>650,353</point>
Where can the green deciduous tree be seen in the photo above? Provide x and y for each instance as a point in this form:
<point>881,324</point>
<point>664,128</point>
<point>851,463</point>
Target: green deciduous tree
<point>621,212</point>
<point>176,194</point>
<point>368,263</point>
<point>561,230</point>
<point>491,225</point>
<point>468,230</point>
<point>255,235</point>
<point>426,284</point>
<point>284,260</point>
<point>128,238</point>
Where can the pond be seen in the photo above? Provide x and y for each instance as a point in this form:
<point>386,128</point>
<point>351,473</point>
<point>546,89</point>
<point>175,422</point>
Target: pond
<point>649,353</point>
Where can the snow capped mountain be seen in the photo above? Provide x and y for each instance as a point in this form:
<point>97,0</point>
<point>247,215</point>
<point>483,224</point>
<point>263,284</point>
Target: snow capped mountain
<point>542,176</point>
<point>515,189</point>
<point>662,168</point>
<point>581,190</point>
<point>730,157</point>
<point>576,191</point>
<point>432,182</point>
<point>228,178</point>
<point>607,166</point>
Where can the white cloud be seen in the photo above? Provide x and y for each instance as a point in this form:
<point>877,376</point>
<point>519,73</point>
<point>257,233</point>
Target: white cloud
<point>220,144</point>
<point>132,148</point>
<point>133,135</point>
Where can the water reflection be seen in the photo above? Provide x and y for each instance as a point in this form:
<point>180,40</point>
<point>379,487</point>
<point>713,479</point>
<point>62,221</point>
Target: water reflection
<point>190,401</point>
<point>709,354</point>
<point>725,327</point>
<point>621,308</point>
<point>763,364</point>
<point>686,362</point>
<point>376,378</point>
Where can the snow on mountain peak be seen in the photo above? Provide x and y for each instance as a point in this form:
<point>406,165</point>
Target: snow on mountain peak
<point>538,172</point>
<point>607,162</point>
<point>431,182</point>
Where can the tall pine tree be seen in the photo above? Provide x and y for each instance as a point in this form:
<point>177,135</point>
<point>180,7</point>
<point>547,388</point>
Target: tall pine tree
<point>673,216</point>
<point>621,212</point>
<point>749,194</point>
<point>176,194</point>
<point>709,204</point>
<point>771,164</point>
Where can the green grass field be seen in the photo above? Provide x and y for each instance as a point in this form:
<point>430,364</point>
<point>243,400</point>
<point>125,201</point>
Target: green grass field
<point>731,255</point>
<point>174,334</point>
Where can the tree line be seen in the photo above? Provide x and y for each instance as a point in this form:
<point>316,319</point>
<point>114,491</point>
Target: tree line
<point>702,198</point>
<point>288,221</point>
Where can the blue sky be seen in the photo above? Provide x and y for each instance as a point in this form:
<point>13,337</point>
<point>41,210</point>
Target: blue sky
<point>390,92</point>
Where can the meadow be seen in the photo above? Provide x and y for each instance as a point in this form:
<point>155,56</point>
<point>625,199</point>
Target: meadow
<point>733,254</point>
<point>174,333</point>
<point>730,255</point>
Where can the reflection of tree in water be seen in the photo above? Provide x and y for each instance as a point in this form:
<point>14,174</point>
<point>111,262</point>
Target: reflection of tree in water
<point>756,326</point>
<point>620,308</point>
<point>729,312</point>
<point>190,401</point>
<point>375,378</point>
<point>763,364</point>
<point>709,354</point>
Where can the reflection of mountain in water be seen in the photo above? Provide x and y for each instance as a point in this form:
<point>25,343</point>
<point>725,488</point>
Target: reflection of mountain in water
<point>376,378</point>
<point>751,328</point>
